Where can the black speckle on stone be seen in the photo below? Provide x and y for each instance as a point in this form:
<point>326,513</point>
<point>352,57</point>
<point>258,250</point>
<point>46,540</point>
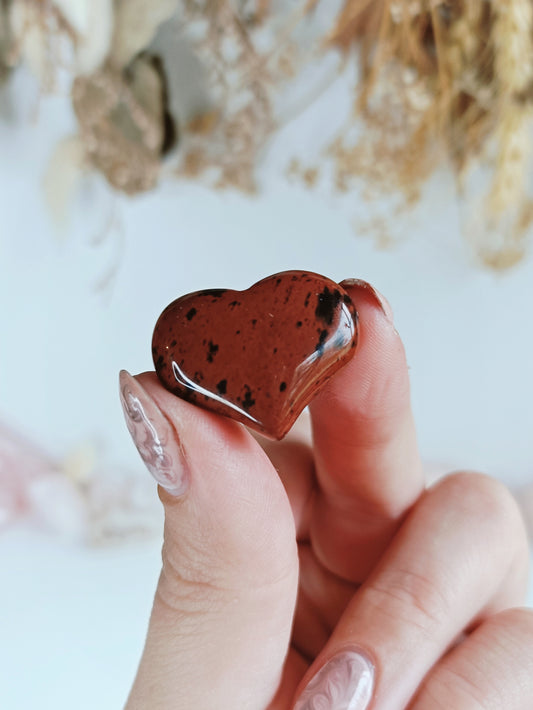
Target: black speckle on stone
<point>222,386</point>
<point>294,278</point>
<point>288,296</point>
<point>248,401</point>
<point>283,387</point>
<point>306,302</point>
<point>321,340</point>
<point>160,362</point>
<point>327,302</point>
<point>275,351</point>
<point>173,343</point>
<point>234,303</point>
<point>347,300</point>
<point>198,376</point>
<point>190,314</point>
<point>212,350</point>
<point>154,350</point>
<point>299,324</point>
<point>204,342</point>
<point>254,321</point>
<point>278,281</point>
<point>237,332</point>
<point>214,292</point>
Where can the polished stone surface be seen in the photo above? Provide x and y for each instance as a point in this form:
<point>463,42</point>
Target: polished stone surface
<point>260,355</point>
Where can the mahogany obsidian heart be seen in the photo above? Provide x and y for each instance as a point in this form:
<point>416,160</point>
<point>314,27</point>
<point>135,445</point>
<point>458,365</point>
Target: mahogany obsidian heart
<point>258,356</point>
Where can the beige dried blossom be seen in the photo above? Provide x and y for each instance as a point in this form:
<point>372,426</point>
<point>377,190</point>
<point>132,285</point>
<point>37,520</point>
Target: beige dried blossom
<point>438,80</point>
<point>52,34</point>
<point>507,202</point>
<point>512,30</point>
<point>5,44</point>
<point>241,119</point>
<point>513,47</point>
<point>121,123</point>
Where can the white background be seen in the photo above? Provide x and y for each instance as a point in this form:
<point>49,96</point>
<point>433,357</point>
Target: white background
<point>72,620</point>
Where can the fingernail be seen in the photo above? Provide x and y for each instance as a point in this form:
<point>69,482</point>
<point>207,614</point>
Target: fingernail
<point>346,682</point>
<point>376,295</point>
<point>154,436</point>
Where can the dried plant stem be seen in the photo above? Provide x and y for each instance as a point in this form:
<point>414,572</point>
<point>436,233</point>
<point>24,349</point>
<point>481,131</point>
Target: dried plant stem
<point>513,158</point>
<point>513,47</point>
<point>513,69</point>
<point>380,55</point>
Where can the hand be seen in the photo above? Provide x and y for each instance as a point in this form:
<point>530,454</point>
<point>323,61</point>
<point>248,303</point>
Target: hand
<point>325,576</point>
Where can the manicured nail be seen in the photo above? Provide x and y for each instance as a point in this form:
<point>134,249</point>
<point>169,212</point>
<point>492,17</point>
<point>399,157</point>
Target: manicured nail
<point>154,436</point>
<point>376,295</point>
<point>346,682</point>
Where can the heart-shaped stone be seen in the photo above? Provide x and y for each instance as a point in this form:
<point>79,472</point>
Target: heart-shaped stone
<point>258,356</point>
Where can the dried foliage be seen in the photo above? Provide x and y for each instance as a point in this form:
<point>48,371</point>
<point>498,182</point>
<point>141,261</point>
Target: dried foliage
<point>229,132</point>
<point>5,41</point>
<point>121,118</point>
<point>447,80</point>
<point>439,81</point>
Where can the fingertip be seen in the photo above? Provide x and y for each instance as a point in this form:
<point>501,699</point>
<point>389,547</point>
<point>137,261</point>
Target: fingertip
<point>225,462</point>
<point>220,431</point>
<point>358,288</point>
<point>375,383</point>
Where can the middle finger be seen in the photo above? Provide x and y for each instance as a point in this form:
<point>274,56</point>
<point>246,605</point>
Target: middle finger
<point>367,462</point>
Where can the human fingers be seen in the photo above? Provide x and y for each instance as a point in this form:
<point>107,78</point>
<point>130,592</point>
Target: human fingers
<point>220,624</point>
<point>460,556</point>
<point>367,461</point>
<point>492,669</point>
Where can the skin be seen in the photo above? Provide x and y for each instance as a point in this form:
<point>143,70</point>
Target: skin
<point>282,554</point>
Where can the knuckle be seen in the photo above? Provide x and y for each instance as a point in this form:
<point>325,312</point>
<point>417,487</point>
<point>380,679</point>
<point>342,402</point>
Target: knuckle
<point>499,651</point>
<point>483,500</point>
<point>410,598</point>
<point>457,687</point>
<point>198,576</point>
<point>515,625</point>
<point>188,582</point>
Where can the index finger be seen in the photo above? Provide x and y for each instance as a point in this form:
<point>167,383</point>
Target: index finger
<point>366,455</point>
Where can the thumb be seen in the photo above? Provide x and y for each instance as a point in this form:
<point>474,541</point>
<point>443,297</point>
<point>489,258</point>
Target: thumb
<point>221,620</point>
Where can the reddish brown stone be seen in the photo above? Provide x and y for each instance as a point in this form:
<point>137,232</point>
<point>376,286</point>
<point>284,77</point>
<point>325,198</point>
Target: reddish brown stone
<point>260,355</point>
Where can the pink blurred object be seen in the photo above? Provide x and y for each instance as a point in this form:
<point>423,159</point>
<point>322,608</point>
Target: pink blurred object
<point>79,497</point>
<point>83,498</point>
<point>21,464</point>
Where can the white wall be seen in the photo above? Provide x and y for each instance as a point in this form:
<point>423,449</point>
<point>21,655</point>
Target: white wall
<point>467,332</point>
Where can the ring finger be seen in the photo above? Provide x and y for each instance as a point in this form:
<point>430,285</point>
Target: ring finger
<point>460,557</point>
<point>491,669</point>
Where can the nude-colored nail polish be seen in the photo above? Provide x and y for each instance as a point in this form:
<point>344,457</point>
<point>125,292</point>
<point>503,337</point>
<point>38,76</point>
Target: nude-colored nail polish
<point>345,682</point>
<point>154,436</point>
<point>381,300</point>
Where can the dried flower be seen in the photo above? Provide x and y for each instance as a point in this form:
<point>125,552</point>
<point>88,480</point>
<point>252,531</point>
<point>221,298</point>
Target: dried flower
<point>439,82</point>
<point>122,123</point>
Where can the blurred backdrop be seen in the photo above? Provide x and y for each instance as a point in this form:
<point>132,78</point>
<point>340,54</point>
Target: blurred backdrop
<point>83,277</point>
